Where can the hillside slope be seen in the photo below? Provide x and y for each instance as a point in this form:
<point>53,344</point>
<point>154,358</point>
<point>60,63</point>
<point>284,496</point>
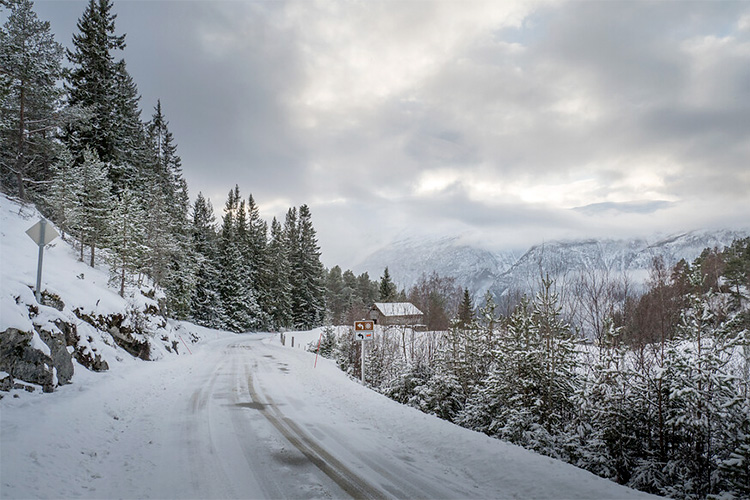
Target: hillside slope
<point>480,269</point>
<point>81,324</point>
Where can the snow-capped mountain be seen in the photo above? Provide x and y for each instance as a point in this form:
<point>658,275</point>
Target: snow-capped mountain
<point>480,269</point>
<point>408,259</point>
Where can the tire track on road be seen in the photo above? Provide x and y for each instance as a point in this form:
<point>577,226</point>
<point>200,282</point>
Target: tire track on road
<point>199,406</point>
<point>338,472</point>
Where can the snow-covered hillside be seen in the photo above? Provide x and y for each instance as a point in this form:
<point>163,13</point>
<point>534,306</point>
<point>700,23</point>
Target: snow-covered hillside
<point>83,324</point>
<point>408,259</point>
<point>480,269</point>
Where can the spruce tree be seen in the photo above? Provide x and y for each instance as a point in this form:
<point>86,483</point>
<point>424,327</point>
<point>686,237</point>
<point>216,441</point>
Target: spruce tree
<point>91,216</point>
<point>311,291</point>
<point>466,310</point>
<point>92,82</point>
<point>280,289</point>
<point>130,152</point>
<point>258,261</point>
<point>30,59</point>
<point>205,301</point>
<point>387,291</point>
<point>164,175</point>
<point>126,240</point>
<point>63,194</point>
<point>158,234</point>
<point>239,306</point>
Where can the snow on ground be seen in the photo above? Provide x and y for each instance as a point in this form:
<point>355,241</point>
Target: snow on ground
<point>234,416</point>
<point>63,274</point>
<point>245,417</point>
<point>79,287</point>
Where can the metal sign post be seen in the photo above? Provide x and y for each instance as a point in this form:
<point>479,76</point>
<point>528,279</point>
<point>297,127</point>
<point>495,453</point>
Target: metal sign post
<point>41,234</point>
<point>363,330</point>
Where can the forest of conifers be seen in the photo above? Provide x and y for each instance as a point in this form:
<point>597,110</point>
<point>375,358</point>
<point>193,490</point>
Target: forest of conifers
<point>72,142</point>
<point>647,389</point>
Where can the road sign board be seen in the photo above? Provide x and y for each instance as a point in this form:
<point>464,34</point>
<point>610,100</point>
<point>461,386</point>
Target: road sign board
<point>42,233</point>
<point>42,237</point>
<point>363,330</point>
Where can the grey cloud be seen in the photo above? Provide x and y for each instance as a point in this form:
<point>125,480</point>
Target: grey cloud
<point>589,90</point>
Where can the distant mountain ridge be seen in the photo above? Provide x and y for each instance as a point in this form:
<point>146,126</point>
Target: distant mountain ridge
<point>480,269</point>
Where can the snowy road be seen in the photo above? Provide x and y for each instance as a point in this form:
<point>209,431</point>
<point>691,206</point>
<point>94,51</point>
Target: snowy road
<point>244,417</point>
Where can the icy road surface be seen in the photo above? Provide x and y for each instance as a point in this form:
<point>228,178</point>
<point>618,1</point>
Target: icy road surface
<point>244,417</point>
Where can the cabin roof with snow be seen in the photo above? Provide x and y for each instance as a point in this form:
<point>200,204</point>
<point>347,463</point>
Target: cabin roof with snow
<point>395,313</point>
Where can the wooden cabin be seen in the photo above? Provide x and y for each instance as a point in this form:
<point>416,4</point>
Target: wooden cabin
<point>396,314</point>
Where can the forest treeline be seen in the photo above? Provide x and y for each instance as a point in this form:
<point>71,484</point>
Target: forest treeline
<point>72,141</point>
<point>654,395</point>
<point>647,389</point>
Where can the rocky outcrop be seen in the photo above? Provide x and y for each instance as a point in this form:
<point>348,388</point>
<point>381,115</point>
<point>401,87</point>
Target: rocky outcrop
<point>124,335</point>
<point>59,354</point>
<point>22,361</point>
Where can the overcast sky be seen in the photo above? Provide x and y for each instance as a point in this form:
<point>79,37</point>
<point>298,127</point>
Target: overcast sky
<point>495,119</point>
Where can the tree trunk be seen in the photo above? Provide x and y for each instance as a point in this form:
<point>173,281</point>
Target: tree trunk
<point>21,133</point>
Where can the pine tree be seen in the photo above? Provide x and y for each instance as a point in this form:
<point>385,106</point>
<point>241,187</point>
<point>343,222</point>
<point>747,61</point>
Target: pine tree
<point>63,195</point>
<point>466,311</point>
<point>259,261</point>
<point>92,81</point>
<point>126,240</point>
<point>367,290</point>
<point>205,301</point>
<point>158,234</point>
<point>130,151</point>
<point>387,291</point>
<point>336,300</point>
<point>701,396</point>
<point>176,260</point>
<point>311,290</point>
<point>609,429</point>
<point>559,359</point>
<point>93,189</point>
<point>238,303</point>
<point>30,59</point>
<point>280,289</point>
<point>182,266</point>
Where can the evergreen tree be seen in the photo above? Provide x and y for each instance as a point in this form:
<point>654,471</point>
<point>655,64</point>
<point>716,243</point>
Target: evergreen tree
<point>280,290</point>
<point>310,292</point>
<point>466,311</point>
<point>126,240</point>
<point>258,261</point>
<point>610,429</point>
<point>158,234</point>
<point>701,398</point>
<point>175,259</point>
<point>205,300</point>
<point>130,152</point>
<point>30,59</point>
<point>238,303</point>
<point>93,189</point>
<point>63,194</point>
<point>367,289</point>
<point>336,301</point>
<point>387,291</point>
<point>92,81</point>
<point>166,164</point>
